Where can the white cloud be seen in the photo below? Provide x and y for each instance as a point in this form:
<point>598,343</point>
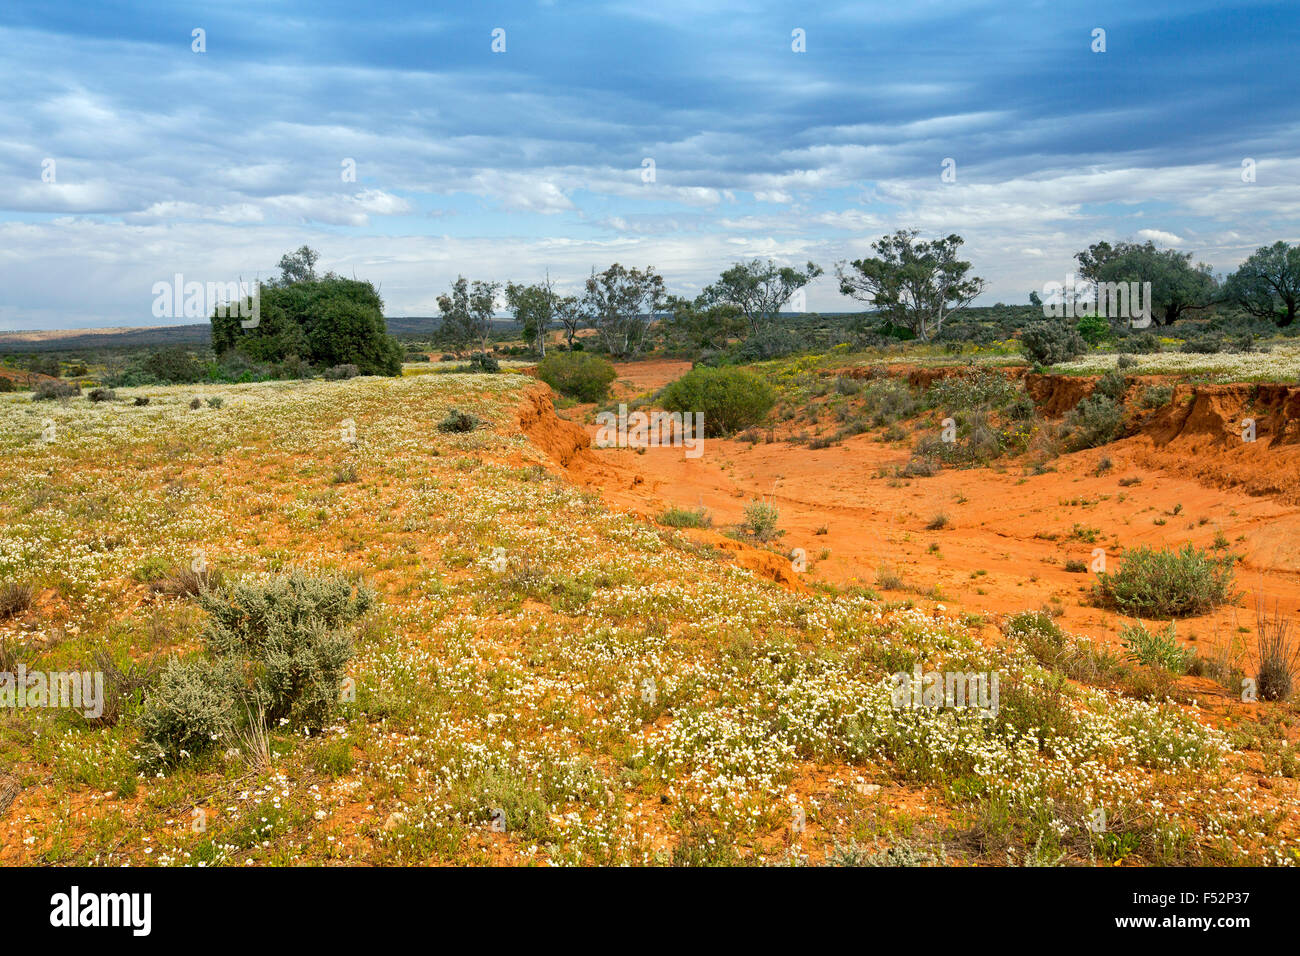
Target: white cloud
<point>1163,238</point>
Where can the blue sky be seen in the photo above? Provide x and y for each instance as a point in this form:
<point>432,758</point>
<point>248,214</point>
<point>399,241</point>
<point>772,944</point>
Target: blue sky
<point>503,165</point>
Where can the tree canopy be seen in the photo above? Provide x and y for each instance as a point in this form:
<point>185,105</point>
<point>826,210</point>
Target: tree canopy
<point>467,312</point>
<point>1267,284</point>
<point>1176,287</point>
<point>915,285</point>
<point>325,322</point>
<point>534,308</point>
<point>759,290</point>
<point>619,303</point>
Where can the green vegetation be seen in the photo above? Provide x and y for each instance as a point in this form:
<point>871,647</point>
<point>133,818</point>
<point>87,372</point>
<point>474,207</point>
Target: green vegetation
<point>1095,421</point>
<point>1050,342</point>
<point>275,649</point>
<point>577,375</point>
<point>686,518</point>
<point>760,521</point>
<point>1156,648</point>
<point>1279,655</point>
<point>1168,584</point>
<point>459,421</point>
<point>48,391</point>
<point>323,322</point>
<point>730,399</point>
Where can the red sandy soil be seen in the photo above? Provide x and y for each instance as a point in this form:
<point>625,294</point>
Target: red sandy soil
<point>24,378</point>
<point>1009,534</point>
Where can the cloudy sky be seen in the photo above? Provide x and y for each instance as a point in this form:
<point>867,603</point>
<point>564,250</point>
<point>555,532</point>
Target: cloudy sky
<point>127,157</point>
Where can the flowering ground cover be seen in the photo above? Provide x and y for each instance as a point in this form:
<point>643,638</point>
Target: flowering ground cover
<point>543,680</point>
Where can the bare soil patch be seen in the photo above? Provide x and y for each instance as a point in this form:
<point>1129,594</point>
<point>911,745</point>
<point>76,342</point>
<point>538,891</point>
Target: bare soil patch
<point>1186,478</point>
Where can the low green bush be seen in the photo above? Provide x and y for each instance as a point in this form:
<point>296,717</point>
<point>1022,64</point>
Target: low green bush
<point>886,401</point>
<point>760,521</point>
<point>338,372</point>
<point>1113,384</point>
<point>1156,396</point>
<point>1155,649</point>
<point>482,362</point>
<point>292,633</point>
<point>191,709</point>
<point>1051,342</point>
<point>730,398</point>
<point>686,518</point>
<point>1093,329</point>
<point>276,648</point>
<point>1144,343</point>
<point>973,388</point>
<point>459,421</point>
<point>1168,584</point>
<point>577,375</point>
<point>1095,421</point>
<point>173,365</point>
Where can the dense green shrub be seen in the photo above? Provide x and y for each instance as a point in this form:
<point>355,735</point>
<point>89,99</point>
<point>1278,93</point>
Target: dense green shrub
<point>276,648</point>
<point>1155,648</point>
<point>889,400</point>
<point>291,633</point>
<point>292,367</point>
<point>730,398</point>
<point>1144,343</point>
<point>339,372</point>
<point>238,367</point>
<point>1052,342</point>
<point>173,365</point>
<point>1113,384</point>
<point>191,709</point>
<point>577,375</point>
<point>1168,584</point>
<point>1093,329</point>
<point>1095,421</point>
<point>458,421</point>
<point>1156,396</point>
<point>44,365</point>
<point>760,521</point>
<point>1203,345</point>
<point>767,344</point>
<point>482,362</point>
<point>326,322</point>
<point>973,388</point>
